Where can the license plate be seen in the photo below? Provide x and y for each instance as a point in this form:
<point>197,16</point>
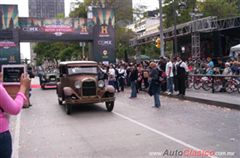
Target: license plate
<point>52,79</point>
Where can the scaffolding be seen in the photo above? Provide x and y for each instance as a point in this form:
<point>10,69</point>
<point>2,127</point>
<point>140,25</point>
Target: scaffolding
<point>194,28</point>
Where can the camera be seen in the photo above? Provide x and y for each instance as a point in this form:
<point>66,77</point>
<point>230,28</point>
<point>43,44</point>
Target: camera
<point>12,74</point>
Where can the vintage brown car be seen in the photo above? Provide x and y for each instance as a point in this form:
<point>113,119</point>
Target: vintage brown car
<point>79,84</point>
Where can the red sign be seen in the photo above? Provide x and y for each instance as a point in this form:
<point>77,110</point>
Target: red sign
<point>7,44</point>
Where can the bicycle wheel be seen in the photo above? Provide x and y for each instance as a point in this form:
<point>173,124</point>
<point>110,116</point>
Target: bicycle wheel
<point>228,87</point>
<point>217,86</point>
<point>197,85</point>
<point>189,83</point>
<point>206,85</point>
<point>238,88</point>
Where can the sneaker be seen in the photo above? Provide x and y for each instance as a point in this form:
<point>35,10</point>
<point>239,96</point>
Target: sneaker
<point>132,97</point>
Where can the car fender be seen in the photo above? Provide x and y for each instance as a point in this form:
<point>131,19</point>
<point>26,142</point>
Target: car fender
<point>68,91</point>
<point>110,89</point>
<point>59,89</point>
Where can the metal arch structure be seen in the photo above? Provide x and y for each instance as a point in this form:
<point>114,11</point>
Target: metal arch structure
<point>99,31</point>
<point>194,27</point>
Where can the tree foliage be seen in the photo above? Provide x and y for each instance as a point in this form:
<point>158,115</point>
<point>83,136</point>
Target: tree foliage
<point>220,8</point>
<point>55,51</point>
<point>182,12</point>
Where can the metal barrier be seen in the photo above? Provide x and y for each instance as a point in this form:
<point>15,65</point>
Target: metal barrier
<point>214,82</point>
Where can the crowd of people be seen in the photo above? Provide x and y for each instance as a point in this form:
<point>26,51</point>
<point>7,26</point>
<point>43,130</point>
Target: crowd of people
<point>214,66</point>
<point>167,74</point>
<point>163,75</point>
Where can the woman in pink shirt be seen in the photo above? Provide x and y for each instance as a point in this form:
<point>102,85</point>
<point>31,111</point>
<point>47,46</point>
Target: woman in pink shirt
<point>9,106</point>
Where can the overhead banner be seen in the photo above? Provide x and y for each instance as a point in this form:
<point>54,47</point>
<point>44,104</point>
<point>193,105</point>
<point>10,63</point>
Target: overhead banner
<point>99,30</point>
<point>104,35</point>
<point>42,29</point>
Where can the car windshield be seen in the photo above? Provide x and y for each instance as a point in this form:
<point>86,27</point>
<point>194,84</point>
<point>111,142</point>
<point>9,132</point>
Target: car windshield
<point>80,70</point>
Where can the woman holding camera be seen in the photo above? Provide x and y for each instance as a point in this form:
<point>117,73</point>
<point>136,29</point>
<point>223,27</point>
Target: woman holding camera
<point>9,106</point>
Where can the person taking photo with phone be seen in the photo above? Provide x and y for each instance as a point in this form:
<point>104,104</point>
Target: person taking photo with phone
<point>9,106</point>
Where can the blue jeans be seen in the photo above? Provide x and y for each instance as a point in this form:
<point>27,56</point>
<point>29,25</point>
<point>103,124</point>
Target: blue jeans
<point>170,84</point>
<point>157,100</point>
<point>134,89</point>
<point>5,145</point>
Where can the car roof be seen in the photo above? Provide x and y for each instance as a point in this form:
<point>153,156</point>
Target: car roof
<point>77,62</point>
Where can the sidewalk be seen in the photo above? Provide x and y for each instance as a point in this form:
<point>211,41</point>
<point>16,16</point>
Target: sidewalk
<point>218,99</point>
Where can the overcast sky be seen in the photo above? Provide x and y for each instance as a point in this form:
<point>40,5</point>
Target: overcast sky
<point>23,12</point>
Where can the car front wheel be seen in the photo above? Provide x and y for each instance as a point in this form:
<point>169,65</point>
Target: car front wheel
<point>60,102</point>
<point>109,106</point>
<point>42,86</point>
<point>68,109</point>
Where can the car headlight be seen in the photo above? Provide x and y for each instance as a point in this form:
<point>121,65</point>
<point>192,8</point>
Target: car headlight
<point>43,78</point>
<point>77,84</point>
<point>101,84</point>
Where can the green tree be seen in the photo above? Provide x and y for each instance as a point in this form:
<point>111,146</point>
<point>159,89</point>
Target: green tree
<point>80,11</point>
<point>171,6</point>
<point>220,8</point>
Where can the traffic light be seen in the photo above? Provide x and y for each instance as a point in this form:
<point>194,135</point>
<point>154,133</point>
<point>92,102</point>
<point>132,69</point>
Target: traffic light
<point>158,43</point>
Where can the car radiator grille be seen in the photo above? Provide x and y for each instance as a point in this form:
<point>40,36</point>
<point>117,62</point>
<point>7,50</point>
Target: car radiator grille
<point>89,88</point>
<point>52,78</point>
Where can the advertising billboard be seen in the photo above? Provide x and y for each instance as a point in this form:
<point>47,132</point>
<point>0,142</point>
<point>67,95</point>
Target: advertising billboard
<point>9,52</point>
<point>104,35</point>
<point>9,48</point>
<point>8,17</point>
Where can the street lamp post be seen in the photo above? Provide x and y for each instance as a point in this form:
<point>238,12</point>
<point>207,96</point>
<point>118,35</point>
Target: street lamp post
<point>181,5</point>
<point>82,44</point>
<point>161,30</point>
<point>195,34</point>
<point>175,28</point>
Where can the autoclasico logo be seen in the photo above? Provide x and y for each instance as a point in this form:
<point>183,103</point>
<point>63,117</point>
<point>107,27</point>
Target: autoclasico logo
<point>190,153</point>
<point>104,43</point>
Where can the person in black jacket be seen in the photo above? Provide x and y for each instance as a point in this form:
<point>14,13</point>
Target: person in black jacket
<point>182,70</point>
<point>155,85</point>
<point>133,76</point>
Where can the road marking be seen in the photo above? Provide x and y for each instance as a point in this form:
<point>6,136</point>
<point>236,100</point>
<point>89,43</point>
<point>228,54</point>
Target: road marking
<point>16,137</point>
<point>161,133</point>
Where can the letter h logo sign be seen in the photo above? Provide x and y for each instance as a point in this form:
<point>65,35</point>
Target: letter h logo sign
<point>104,30</point>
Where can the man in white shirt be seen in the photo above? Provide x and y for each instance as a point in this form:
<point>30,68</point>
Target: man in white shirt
<point>122,74</point>
<point>169,74</point>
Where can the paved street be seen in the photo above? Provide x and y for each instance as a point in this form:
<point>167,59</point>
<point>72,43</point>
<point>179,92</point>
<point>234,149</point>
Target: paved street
<point>133,129</point>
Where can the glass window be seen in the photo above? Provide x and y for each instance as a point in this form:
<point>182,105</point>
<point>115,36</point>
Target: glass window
<point>82,70</point>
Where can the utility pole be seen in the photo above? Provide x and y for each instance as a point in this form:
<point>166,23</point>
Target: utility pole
<point>175,29</point>
<point>161,29</point>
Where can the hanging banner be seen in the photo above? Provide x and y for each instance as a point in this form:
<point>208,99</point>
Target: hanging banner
<point>8,17</point>
<point>104,35</point>
<point>9,49</point>
<point>9,53</point>
<point>42,29</point>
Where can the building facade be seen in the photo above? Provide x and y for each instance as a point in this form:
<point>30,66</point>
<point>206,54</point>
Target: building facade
<point>46,8</point>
